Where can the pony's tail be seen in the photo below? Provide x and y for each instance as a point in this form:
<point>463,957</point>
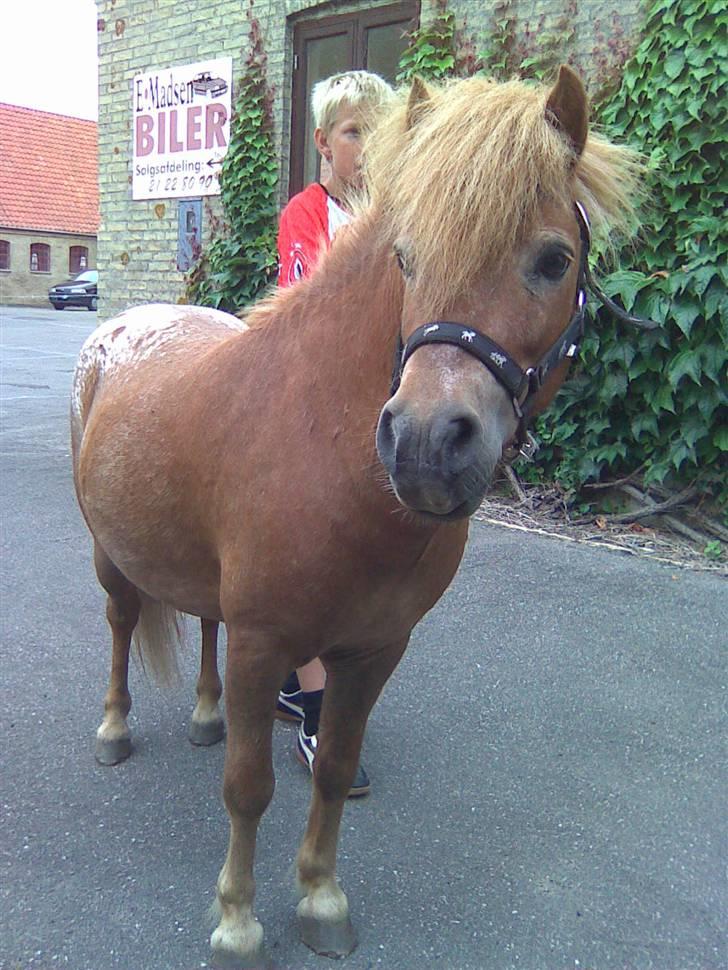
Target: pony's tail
<point>158,636</point>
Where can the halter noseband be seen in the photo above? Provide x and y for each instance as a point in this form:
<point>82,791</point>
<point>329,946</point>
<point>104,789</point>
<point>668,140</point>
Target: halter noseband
<point>522,385</point>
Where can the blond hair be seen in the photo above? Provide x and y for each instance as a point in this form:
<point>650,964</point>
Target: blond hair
<point>366,93</point>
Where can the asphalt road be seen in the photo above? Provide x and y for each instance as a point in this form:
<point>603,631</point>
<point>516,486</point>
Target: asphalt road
<point>547,762</point>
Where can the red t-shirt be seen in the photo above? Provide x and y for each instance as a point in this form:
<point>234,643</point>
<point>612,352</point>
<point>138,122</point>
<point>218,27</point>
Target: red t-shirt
<point>307,226</point>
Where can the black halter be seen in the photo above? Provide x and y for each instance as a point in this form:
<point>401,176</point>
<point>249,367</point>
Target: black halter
<point>522,385</point>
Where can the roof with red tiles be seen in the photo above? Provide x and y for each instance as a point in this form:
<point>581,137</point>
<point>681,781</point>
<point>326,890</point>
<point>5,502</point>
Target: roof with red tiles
<point>48,171</point>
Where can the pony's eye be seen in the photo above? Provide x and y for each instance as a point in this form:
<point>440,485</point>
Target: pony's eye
<point>553,264</point>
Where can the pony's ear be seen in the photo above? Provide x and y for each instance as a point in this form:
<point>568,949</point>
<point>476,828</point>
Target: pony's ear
<point>567,108</point>
<point>417,102</point>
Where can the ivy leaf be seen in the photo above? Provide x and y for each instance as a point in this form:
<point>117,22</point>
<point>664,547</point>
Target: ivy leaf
<point>625,284</point>
<point>614,386</point>
<point>597,425</point>
<point>685,314</point>
<point>653,303</point>
<point>685,363</point>
<point>682,452</point>
<point>620,352</point>
<point>644,422</point>
<point>720,438</point>
<point>692,429</point>
<point>702,277</point>
<point>662,400</point>
<point>714,362</point>
<point>657,472</point>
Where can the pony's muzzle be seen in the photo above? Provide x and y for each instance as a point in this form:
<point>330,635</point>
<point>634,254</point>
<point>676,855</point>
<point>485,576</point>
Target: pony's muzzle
<point>440,464</point>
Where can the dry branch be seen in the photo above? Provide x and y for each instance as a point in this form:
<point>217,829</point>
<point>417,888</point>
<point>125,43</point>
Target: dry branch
<point>515,484</point>
<point>709,525</point>
<point>598,486</point>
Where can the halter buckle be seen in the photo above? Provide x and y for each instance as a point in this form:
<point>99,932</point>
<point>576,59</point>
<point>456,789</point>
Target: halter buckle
<point>529,447</point>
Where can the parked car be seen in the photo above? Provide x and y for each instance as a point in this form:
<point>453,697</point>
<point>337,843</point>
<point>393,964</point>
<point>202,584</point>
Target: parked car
<point>81,291</point>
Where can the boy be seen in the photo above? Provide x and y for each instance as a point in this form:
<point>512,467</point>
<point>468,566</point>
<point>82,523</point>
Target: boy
<point>344,108</point>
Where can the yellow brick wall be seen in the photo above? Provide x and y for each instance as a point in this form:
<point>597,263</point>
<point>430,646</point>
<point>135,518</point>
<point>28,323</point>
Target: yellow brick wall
<point>19,286</point>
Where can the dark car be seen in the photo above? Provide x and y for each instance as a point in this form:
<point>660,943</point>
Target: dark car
<point>80,291</point>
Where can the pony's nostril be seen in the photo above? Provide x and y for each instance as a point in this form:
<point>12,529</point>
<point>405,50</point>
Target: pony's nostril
<point>385,421</point>
<point>386,436</point>
<point>454,438</point>
<point>461,432</point>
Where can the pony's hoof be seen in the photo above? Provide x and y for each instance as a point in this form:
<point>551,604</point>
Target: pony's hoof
<point>206,733</point>
<point>328,939</point>
<point>112,751</point>
<point>227,960</point>
<point>239,945</point>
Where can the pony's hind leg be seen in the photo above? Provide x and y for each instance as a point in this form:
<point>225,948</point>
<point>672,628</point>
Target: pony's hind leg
<point>113,738</point>
<point>207,726</point>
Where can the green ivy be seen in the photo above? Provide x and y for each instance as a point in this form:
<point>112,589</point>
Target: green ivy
<point>547,45</point>
<point>241,259</point>
<point>539,49</point>
<point>431,50</point>
<point>640,399</point>
<point>660,398</point>
<point>500,59</point>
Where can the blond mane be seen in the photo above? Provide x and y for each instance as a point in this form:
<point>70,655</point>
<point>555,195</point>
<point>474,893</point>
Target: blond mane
<point>467,179</point>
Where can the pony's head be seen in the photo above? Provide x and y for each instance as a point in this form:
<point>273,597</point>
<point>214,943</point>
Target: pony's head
<point>476,185</point>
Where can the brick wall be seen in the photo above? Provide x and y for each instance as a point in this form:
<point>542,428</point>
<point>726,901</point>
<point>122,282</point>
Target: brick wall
<point>138,240</point>
<point>21,286</point>
<point>600,27</point>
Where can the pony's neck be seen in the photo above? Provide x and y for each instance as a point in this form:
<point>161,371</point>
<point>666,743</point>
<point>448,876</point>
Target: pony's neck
<point>327,347</point>
<point>342,325</point>
<point>360,292</point>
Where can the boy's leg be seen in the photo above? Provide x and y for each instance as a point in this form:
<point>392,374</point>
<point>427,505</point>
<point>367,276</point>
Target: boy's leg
<point>312,679</point>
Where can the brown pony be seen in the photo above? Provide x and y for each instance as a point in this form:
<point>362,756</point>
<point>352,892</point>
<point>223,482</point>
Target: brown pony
<point>268,474</point>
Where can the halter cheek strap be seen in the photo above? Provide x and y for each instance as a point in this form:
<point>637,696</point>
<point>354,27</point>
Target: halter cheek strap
<point>522,385</point>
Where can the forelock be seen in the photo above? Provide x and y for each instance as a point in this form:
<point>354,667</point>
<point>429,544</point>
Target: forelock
<point>470,176</point>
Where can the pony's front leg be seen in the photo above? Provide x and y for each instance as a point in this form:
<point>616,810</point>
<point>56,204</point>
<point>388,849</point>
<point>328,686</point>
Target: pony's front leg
<point>253,676</point>
<point>353,684</point>
<point>207,726</point>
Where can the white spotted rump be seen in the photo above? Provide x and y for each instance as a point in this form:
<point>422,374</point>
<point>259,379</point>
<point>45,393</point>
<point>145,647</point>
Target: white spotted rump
<point>138,334</point>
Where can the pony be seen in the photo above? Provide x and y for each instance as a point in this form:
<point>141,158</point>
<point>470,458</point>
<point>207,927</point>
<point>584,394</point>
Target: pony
<point>279,473</point>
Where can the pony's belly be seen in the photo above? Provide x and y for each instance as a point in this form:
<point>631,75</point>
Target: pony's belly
<point>162,549</point>
<point>144,514</point>
<point>182,575</point>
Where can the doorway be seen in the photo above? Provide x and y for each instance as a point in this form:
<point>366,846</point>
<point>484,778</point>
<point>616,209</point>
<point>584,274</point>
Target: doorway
<point>369,40</point>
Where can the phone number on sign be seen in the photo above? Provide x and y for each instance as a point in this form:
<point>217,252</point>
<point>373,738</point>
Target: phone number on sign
<point>185,183</point>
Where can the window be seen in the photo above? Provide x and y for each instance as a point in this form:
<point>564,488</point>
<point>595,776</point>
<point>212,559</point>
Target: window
<point>40,258</point>
<point>4,254</point>
<point>372,40</point>
<point>77,259</point>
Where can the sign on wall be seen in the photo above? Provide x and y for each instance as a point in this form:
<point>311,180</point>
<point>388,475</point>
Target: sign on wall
<point>181,129</point>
